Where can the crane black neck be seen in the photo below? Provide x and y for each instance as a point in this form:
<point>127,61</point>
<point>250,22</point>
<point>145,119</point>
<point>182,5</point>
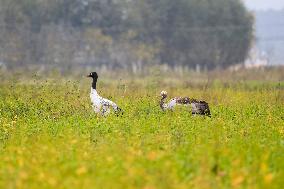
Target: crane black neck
<point>94,84</point>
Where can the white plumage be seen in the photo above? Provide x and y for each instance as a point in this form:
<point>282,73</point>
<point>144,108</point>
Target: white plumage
<point>197,106</point>
<point>171,103</point>
<point>101,106</point>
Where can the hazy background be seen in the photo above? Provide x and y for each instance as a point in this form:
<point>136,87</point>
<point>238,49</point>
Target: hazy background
<point>269,26</point>
<point>137,35</point>
<point>264,4</point>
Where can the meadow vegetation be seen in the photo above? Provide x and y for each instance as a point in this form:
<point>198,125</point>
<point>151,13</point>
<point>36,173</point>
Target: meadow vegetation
<point>51,138</point>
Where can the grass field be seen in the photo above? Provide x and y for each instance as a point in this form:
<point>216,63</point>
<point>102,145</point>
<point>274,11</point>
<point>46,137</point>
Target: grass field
<point>50,137</point>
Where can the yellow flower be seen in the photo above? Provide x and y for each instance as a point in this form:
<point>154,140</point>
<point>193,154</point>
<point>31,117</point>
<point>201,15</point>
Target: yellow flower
<point>81,170</point>
<point>268,178</point>
<point>238,180</point>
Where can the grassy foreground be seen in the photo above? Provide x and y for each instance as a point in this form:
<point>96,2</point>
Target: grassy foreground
<point>50,138</point>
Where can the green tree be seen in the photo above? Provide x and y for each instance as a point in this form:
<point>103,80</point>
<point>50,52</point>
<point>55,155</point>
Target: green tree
<point>209,33</point>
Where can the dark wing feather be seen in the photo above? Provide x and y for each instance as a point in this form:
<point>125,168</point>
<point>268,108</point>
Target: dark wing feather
<point>200,107</point>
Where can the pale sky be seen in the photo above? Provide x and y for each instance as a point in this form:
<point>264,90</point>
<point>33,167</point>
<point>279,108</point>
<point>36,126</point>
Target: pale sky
<point>264,4</point>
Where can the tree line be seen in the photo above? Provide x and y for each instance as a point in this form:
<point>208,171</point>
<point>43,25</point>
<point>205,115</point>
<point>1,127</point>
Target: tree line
<point>128,34</point>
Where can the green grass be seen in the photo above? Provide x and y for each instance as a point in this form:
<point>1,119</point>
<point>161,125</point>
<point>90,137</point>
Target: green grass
<point>50,137</point>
